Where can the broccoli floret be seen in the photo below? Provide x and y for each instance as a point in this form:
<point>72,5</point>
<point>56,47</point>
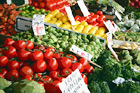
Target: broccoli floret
<point>98,87</point>
<point>129,87</point>
<point>128,74</point>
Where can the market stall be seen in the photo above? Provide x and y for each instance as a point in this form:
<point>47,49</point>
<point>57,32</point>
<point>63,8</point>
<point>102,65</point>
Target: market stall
<point>70,46</point>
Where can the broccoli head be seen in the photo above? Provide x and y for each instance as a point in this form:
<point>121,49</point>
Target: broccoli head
<point>128,74</point>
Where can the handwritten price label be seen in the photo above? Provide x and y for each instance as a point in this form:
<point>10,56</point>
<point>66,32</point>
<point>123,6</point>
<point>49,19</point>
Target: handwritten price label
<point>69,12</point>
<point>74,83</point>
<point>9,2</point>
<point>38,25</point>
<point>116,27</point>
<point>109,26</point>
<point>80,52</point>
<point>109,38</point>
<point>83,7</point>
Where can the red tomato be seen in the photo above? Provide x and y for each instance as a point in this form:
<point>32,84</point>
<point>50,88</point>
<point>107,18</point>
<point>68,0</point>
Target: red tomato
<point>24,55</point>
<point>28,77</point>
<point>91,20</point>
<point>20,44</point>
<point>36,55</point>
<point>58,55</point>
<point>88,69</point>
<point>65,72</point>
<point>39,66</point>
<point>72,57</point>
<point>37,75</point>
<point>3,61</point>
<point>35,4</point>
<point>77,18</point>
<point>59,78</point>
<point>84,78</point>
<point>52,64</point>
<point>8,42</point>
<point>25,64</point>
<point>91,14</point>
<point>79,66</point>
<point>100,19</point>
<point>41,83</point>
<point>26,70</point>
<point>51,49</point>
<point>85,18</point>
<point>40,47</point>
<point>12,75</point>
<point>64,62</point>
<point>29,45</point>
<point>30,2</point>
<point>56,88</point>
<point>3,71</point>
<point>1,76</point>
<point>13,65</point>
<point>84,62</point>
<point>39,1</point>
<point>10,52</point>
<point>101,24</point>
<point>49,87</point>
<point>94,24</point>
<point>95,16</point>
<point>48,54</point>
<point>103,16</point>
<point>0,51</point>
<point>46,79</point>
<point>54,74</point>
<point>99,12</point>
<point>41,4</point>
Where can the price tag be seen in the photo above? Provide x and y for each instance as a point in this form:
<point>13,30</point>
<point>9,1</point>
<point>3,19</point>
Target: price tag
<point>80,52</point>
<point>9,2</point>
<point>83,7</point>
<point>116,27</point>
<point>26,1</point>
<point>119,80</point>
<point>118,15</point>
<point>74,83</point>
<point>38,25</point>
<point>69,12</point>
<point>109,38</point>
<point>109,26</point>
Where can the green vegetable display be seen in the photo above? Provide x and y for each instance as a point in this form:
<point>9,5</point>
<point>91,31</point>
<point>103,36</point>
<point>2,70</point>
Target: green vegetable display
<point>4,84</point>
<point>62,40</point>
<point>25,86</point>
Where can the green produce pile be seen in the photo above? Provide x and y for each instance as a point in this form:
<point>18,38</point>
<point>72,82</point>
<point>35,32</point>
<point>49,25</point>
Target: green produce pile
<point>127,36</point>
<point>100,81</point>
<point>29,11</point>
<point>63,40</point>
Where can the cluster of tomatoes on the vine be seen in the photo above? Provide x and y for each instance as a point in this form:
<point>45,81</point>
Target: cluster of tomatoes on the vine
<point>47,66</point>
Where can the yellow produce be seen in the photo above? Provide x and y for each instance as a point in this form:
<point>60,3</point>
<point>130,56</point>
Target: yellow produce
<point>64,19</point>
<point>101,31</point>
<point>59,15</point>
<point>79,28</point>
<point>77,22</point>
<point>64,26</point>
<point>59,23</point>
<point>93,30</point>
<point>68,24</point>
<point>54,19</point>
<point>84,23</point>
<point>48,17</point>
<point>86,29</point>
<point>55,12</point>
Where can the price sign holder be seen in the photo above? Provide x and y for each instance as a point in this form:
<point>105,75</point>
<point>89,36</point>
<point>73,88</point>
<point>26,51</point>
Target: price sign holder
<point>118,15</point>
<point>26,1</point>
<point>74,83</point>
<point>83,54</point>
<point>8,2</point>
<point>38,25</point>
<point>83,7</point>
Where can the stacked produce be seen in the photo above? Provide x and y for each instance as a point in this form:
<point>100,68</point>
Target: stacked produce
<point>135,3</point>
<point>61,20</point>
<point>63,40</point>
<point>7,19</point>
<point>51,5</point>
<point>27,65</point>
<point>29,11</point>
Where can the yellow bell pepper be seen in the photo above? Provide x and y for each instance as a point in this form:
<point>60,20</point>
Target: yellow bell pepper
<point>93,30</point>
<point>86,29</point>
<point>79,28</point>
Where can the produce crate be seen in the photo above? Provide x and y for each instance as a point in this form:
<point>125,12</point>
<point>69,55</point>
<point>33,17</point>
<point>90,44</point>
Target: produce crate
<point>24,24</point>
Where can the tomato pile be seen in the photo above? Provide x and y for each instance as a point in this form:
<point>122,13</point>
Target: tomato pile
<point>24,60</point>
<point>50,4</point>
<point>93,19</point>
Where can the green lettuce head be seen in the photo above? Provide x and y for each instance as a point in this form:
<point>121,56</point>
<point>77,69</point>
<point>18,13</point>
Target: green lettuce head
<point>4,84</point>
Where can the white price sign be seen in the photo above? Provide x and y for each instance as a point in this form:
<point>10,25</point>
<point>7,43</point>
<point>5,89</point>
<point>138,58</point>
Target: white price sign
<point>118,15</point>
<point>69,12</point>
<point>38,25</point>
<point>26,1</point>
<point>9,2</point>
<point>83,7</point>
<point>80,52</point>
<point>74,83</point>
<point>109,38</point>
<point>116,27</point>
<point>109,26</point>
<point>119,80</point>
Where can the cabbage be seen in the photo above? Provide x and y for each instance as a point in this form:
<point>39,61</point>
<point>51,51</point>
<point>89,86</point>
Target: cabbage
<point>4,84</point>
<point>138,22</point>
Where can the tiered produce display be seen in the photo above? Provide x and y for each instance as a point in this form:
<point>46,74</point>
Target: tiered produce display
<point>32,63</point>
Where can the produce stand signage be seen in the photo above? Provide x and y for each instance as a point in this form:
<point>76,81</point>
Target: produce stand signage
<point>118,15</point>
<point>26,1</point>
<point>69,12</point>
<point>83,7</point>
<point>9,2</point>
<point>80,52</point>
<point>109,26</point>
<point>38,25</point>
<point>109,38</point>
<point>74,83</point>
